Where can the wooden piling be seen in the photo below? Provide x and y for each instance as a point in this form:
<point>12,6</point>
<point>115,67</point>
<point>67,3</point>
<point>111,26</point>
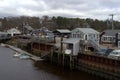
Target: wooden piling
<point>58,58</point>
<point>71,61</point>
<point>63,59</point>
<point>51,54</point>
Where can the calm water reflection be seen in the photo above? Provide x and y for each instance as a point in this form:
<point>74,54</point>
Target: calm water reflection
<point>17,69</point>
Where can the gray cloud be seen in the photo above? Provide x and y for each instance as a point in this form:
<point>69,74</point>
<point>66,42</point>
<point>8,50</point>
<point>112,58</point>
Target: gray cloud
<point>69,8</point>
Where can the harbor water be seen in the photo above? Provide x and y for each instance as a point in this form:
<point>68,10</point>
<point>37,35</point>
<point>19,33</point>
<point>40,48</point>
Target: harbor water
<point>18,69</point>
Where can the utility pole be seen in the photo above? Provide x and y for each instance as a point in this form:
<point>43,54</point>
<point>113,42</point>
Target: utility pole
<point>112,15</point>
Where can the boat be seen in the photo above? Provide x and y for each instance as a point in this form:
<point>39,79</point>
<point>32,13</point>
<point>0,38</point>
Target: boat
<point>16,54</point>
<point>24,56</point>
<point>3,45</point>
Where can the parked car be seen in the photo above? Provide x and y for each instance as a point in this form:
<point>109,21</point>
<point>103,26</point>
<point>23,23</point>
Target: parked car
<point>115,54</point>
<point>104,51</point>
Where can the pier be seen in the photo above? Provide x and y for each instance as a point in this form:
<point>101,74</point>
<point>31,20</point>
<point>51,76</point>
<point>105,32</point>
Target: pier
<point>33,57</point>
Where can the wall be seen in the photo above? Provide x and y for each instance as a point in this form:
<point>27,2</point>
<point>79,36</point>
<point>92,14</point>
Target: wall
<point>42,47</point>
<point>76,48</point>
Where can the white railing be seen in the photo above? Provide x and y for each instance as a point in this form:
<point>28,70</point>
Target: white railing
<point>94,44</point>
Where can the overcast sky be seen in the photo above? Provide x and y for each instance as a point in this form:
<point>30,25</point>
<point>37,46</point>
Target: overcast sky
<point>99,9</point>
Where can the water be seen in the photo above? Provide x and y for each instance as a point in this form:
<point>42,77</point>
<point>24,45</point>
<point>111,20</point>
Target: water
<point>17,69</point>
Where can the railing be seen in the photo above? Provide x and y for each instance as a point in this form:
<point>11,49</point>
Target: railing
<point>94,44</point>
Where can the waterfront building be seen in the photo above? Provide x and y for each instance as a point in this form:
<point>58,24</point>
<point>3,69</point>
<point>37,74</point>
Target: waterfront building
<point>27,29</point>
<point>108,36</point>
<point>43,34</point>
<point>4,36</point>
<point>13,32</point>
<point>86,34</point>
<point>62,32</point>
<point>81,37</point>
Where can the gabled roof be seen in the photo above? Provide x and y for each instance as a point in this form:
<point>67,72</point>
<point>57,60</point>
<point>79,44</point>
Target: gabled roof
<point>110,32</point>
<point>85,30</point>
<point>28,27</point>
<point>13,30</point>
<point>63,30</point>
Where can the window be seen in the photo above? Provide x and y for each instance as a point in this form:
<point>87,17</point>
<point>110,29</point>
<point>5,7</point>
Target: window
<point>94,35</point>
<point>104,38</point>
<point>78,35</point>
<point>85,37</point>
<point>97,36</point>
<point>119,44</point>
<point>118,36</point>
<point>111,39</point>
<point>70,46</point>
<point>73,35</point>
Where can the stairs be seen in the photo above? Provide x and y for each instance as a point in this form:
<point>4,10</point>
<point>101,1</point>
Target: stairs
<point>94,44</point>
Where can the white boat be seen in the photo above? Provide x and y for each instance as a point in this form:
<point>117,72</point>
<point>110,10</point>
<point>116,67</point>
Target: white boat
<point>2,44</point>
<point>16,54</point>
<point>68,51</point>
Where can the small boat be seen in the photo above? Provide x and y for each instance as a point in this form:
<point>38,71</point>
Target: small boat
<point>16,54</point>
<point>2,44</point>
<point>24,56</point>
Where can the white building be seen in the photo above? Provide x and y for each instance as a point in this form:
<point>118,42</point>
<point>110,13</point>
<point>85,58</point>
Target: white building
<point>13,31</point>
<point>88,35</point>
<point>85,34</point>
<point>72,46</point>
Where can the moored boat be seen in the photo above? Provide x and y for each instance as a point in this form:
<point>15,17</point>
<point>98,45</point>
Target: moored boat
<point>2,44</point>
<point>16,54</point>
<point>24,56</point>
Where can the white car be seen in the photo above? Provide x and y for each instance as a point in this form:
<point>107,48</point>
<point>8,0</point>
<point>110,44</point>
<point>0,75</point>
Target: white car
<point>115,54</point>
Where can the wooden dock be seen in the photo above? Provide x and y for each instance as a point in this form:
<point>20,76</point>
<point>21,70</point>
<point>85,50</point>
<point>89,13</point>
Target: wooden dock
<point>33,57</point>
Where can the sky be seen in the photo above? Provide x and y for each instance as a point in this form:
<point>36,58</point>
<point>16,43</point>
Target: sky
<point>97,9</point>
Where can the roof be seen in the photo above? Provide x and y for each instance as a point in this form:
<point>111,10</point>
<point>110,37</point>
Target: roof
<point>3,33</point>
<point>85,30</point>
<point>63,30</point>
<point>28,27</point>
<point>71,40</point>
<point>37,31</point>
<point>110,32</point>
<point>13,30</point>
